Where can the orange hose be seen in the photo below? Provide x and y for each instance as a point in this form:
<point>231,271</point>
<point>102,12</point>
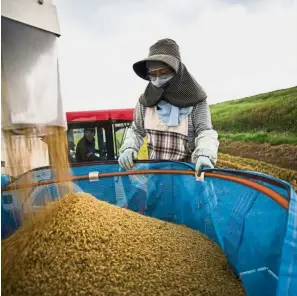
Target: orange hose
<point>273,195</point>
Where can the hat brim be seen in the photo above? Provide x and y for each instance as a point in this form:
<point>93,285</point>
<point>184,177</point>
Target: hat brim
<point>141,70</point>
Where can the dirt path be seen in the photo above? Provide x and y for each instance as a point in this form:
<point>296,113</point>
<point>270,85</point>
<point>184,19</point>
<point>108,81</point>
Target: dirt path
<point>280,155</point>
<point>240,163</point>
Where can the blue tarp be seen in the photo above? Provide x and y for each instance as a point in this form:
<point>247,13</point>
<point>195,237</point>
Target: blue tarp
<point>258,236</point>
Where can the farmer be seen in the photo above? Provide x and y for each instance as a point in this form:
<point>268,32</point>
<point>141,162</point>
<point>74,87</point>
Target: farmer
<point>85,149</point>
<point>172,112</point>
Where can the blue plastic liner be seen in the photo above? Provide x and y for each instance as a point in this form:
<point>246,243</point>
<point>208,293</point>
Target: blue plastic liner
<point>257,235</point>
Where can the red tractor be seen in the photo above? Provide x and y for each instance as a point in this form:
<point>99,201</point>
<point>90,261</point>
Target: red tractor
<point>110,130</point>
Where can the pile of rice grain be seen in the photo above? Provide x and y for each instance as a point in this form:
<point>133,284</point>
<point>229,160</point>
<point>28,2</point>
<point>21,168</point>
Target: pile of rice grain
<point>83,246</point>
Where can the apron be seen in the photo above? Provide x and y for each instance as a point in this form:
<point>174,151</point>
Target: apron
<point>164,142</point>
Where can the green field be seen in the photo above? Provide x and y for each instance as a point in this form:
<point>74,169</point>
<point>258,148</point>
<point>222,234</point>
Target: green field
<point>274,112</point>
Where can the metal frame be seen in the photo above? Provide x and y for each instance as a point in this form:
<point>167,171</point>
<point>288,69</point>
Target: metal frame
<point>125,125</point>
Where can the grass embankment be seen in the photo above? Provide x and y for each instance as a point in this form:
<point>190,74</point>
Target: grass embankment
<point>261,127</point>
<point>273,114</point>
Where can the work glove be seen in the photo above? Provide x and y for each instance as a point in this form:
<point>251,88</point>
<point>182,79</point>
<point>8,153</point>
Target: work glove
<point>202,162</point>
<point>126,159</point>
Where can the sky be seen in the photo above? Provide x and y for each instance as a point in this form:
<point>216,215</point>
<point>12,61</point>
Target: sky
<point>233,48</point>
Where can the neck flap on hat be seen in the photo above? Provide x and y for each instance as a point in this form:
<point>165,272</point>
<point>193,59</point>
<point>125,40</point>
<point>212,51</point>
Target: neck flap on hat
<point>182,91</point>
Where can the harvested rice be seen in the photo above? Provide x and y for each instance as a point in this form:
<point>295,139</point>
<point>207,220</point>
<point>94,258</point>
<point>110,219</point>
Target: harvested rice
<point>82,246</point>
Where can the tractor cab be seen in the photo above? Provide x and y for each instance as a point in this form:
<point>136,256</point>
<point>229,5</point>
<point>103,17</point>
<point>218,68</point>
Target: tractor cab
<point>109,128</point>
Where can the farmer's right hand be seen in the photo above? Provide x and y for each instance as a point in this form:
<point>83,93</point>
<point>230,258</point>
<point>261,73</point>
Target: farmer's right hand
<point>126,159</point>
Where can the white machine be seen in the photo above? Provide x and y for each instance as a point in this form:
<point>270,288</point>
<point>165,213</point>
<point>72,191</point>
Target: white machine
<point>29,63</point>
<point>30,96</point>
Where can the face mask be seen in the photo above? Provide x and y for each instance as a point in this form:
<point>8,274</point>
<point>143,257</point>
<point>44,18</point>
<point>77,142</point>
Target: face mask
<point>160,80</point>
